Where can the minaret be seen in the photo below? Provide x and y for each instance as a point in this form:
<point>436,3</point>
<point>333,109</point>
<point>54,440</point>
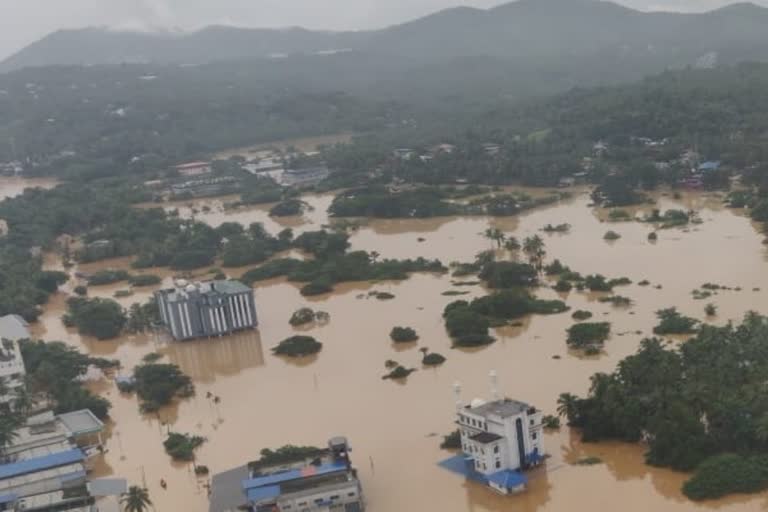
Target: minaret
<point>494,384</point>
<point>457,394</point>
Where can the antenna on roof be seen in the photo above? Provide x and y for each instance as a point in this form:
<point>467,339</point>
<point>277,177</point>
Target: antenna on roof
<point>457,393</point>
<point>494,384</point>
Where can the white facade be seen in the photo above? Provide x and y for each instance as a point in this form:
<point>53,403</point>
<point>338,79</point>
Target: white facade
<point>12,329</point>
<point>501,435</point>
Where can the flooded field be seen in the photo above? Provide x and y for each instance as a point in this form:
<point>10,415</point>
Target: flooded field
<point>13,186</point>
<point>395,428</point>
<point>303,144</point>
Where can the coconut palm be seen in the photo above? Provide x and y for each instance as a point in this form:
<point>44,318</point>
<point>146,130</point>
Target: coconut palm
<point>567,406</point>
<point>9,423</point>
<point>512,245</point>
<point>136,499</point>
<point>533,246</point>
<point>496,235</point>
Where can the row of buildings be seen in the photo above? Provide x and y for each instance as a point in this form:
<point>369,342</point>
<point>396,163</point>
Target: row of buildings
<point>46,466</point>
<point>13,329</point>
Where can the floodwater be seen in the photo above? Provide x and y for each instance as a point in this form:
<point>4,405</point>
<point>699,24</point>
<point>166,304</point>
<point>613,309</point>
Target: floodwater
<point>394,427</point>
<point>304,144</point>
<point>13,186</point>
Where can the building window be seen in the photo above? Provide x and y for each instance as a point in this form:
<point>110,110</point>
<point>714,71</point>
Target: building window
<point>496,449</point>
<point>335,497</point>
<point>498,464</point>
<point>533,436</point>
<point>531,421</point>
<point>303,504</point>
<point>351,494</point>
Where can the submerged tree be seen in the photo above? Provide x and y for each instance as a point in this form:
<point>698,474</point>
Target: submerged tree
<point>136,499</point>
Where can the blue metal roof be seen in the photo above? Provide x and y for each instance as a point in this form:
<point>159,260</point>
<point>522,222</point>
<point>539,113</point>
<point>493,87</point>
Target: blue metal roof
<point>709,166</point>
<point>41,463</point>
<point>294,474</point>
<point>508,479</point>
<point>258,494</point>
<point>7,498</point>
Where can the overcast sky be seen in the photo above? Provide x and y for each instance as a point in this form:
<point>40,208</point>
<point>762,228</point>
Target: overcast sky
<point>24,21</point>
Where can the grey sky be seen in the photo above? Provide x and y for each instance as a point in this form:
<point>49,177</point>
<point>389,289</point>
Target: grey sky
<point>23,21</point>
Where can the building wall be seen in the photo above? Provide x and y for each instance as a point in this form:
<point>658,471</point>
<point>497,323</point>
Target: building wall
<point>338,495</point>
<point>199,315</point>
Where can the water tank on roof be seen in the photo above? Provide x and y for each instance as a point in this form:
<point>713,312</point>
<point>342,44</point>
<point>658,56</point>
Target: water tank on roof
<point>191,288</point>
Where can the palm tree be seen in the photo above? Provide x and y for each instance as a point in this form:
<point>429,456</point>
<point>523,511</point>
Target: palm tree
<point>513,245</point>
<point>136,499</point>
<point>374,256</point>
<point>533,246</point>
<point>9,423</point>
<point>567,406</point>
<point>496,235</point>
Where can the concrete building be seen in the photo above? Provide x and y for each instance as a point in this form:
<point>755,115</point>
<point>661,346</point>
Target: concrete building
<point>304,177</point>
<point>212,308</point>
<point>47,465</point>
<point>193,168</point>
<point>324,482</point>
<point>12,371</point>
<point>499,440</point>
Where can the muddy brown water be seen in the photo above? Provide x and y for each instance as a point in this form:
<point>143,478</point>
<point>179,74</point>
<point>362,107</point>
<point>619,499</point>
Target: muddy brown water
<point>394,427</point>
<point>13,186</point>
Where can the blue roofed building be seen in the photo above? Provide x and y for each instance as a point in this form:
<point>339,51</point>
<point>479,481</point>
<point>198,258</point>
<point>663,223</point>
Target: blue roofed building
<point>324,481</point>
<point>709,166</point>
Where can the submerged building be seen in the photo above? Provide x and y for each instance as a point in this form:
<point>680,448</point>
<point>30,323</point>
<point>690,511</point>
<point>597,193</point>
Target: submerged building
<point>211,308</point>
<point>500,439</point>
<point>324,481</point>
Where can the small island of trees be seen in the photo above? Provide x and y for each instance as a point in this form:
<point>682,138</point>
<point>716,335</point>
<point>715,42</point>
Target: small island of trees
<point>298,346</point>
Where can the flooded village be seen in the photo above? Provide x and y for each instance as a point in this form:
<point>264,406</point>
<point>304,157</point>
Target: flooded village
<point>248,399</point>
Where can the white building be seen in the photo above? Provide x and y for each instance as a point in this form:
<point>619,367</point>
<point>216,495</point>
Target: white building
<point>12,371</point>
<point>500,439</point>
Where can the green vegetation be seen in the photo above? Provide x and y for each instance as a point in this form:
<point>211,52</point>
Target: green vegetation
<point>589,461</point>
<point>672,322</point>
<point>599,283</point>
<point>182,446</point>
<point>141,317</point>
<point>332,265</point>
<point>298,346</point>
<point>103,277</point>
<point>563,286</point>
<point>508,274</point>
<point>611,235</point>
<point>710,309</point>
<point>288,208</point>
<point>432,358</point>
<point>399,373</point>
<point>302,316</point>
<point>581,315</point>
<point>559,228</point>
<point>588,334</point>
<point>551,422</point>
<point>619,215</point>
<point>101,318</point>
<point>158,384</point>
<point>136,500</point>
<point>728,473</point>
<point>452,441</point>
<point>688,402</point>
<point>616,300</point>
<point>144,280</point>
<point>403,335</point>
<point>285,455</point>
<point>55,369</point>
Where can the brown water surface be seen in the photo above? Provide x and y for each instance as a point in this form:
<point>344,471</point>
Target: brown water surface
<point>394,428</point>
<point>13,186</point>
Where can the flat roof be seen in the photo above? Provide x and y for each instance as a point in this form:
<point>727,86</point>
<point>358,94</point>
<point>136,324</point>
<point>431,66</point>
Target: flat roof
<point>485,437</point>
<point>293,474</point>
<point>81,422</point>
<point>227,490</point>
<point>226,287</point>
<point>108,487</point>
<point>504,408</point>
<point>13,327</point>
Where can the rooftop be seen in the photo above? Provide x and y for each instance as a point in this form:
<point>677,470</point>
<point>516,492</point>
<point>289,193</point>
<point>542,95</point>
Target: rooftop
<point>225,287</point>
<point>81,422</point>
<point>485,437</point>
<point>43,463</point>
<point>504,408</point>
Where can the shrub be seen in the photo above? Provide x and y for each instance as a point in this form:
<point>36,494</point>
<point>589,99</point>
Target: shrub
<point>317,287</point>
<point>508,274</point>
<point>551,422</point>
<point>287,208</point>
<point>403,335</point>
<point>433,359</point>
<point>611,235</point>
<point>563,286</point>
<point>581,315</point>
<point>103,277</point>
<point>400,372</point>
<point>588,333</point>
<point>652,237</point>
<point>452,441</point>
<point>302,316</point>
<point>619,215</point>
<point>81,290</point>
<point>182,446</point>
<point>145,280</point>
<point>616,300</point>
<point>555,268</point>
<point>298,346</point>
<point>710,309</point>
<point>597,283</point>
<point>726,474</point>
<point>672,322</point>
<point>463,322</point>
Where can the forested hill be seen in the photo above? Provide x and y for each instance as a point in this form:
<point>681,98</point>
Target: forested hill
<point>516,50</point>
<point>521,29</point>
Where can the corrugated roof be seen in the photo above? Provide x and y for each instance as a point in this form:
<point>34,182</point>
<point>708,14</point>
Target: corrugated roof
<point>41,463</point>
<point>7,498</point>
